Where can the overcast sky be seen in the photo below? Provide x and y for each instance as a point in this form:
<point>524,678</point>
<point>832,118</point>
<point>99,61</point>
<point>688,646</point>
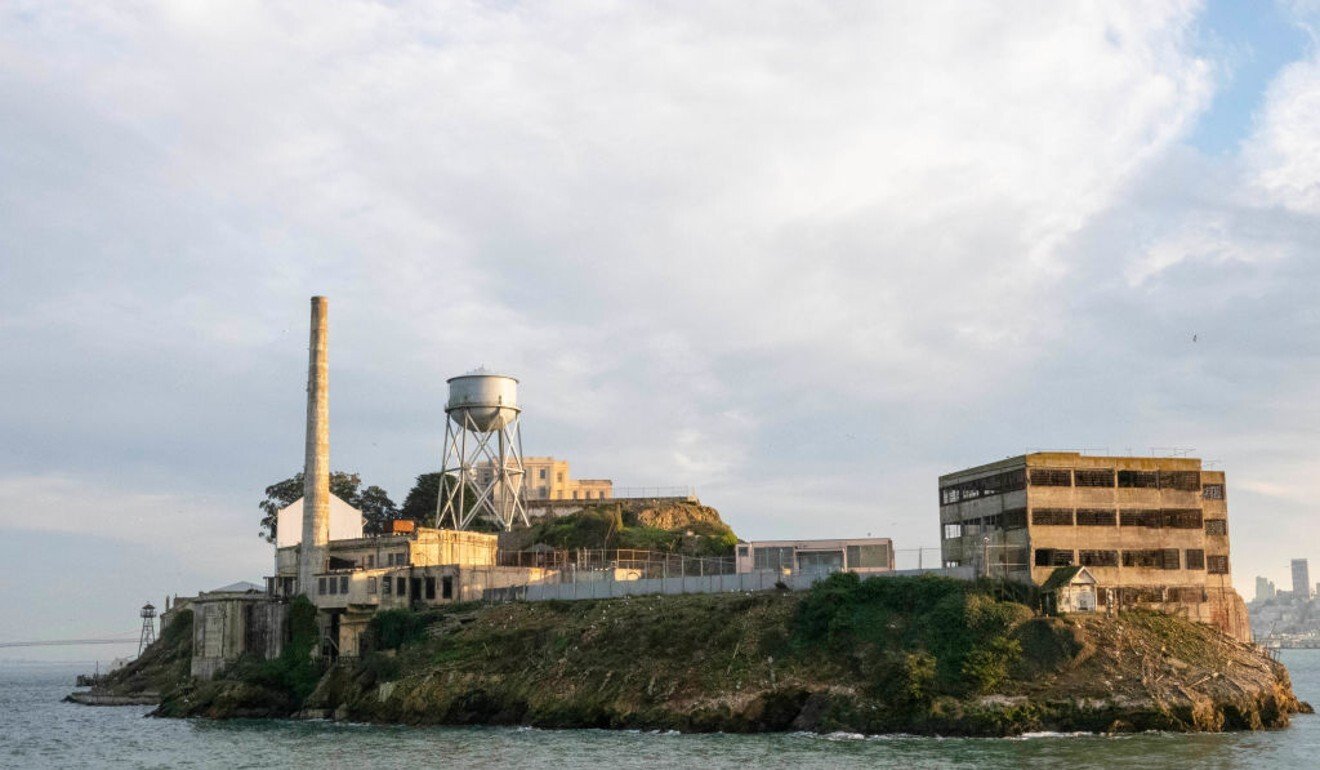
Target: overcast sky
<point>804,257</point>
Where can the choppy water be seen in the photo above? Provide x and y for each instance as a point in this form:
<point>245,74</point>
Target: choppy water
<point>37,730</point>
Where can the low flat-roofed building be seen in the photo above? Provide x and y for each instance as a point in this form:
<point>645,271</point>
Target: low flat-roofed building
<point>862,555</point>
<point>1152,531</point>
<point>232,621</point>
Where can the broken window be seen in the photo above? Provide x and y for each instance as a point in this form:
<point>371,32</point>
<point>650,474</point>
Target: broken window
<point>1096,517</point>
<point>1052,517</point>
<point>1195,558</point>
<point>430,588</point>
<point>1159,558</point>
<point>1051,477</point>
<point>1094,477</point>
<point>401,586</point>
<point>385,585</point>
<point>1213,491</point>
<point>447,588</point>
<point>952,531</point>
<point>1053,557</point>
<point>1187,481</point>
<point>1140,517</point>
<point>998,484</point>
<point>1216,526</point>
<point>1216,565</point>
<point>371,585</point>
<point>1182,518</point>
<point>1098,558</point>
<point>343,584</point>
<point>1139,479</point>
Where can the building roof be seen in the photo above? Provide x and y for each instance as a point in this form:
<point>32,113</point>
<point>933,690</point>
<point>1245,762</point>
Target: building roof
<point>1063,576</point>
<point>241,587</point>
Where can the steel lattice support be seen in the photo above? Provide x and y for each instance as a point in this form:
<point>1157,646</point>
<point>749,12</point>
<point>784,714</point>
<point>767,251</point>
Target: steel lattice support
<point>463,495</point>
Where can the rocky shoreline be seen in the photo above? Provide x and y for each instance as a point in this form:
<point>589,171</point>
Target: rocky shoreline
<point>918,656</point>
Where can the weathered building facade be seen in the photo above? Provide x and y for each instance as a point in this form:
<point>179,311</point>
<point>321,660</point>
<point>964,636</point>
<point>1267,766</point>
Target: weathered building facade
<point>1152,531</point>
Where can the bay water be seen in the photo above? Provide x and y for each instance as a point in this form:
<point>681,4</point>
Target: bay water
<point>37,730</point>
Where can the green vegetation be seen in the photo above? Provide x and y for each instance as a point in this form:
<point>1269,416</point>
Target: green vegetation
<point>615,525</point>
<point>922,655</point>
<point>161,666</point>
<point>920,636</point>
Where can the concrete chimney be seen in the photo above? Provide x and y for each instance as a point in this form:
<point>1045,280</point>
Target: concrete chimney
<point>313,552</point>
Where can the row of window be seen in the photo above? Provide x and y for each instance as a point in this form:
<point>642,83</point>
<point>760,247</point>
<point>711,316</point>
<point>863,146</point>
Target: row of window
<point>1012,481</point>
<point>1157,558</point>
<point>1167,518</point>
<point>1128,595</point>
<point>398,586</point>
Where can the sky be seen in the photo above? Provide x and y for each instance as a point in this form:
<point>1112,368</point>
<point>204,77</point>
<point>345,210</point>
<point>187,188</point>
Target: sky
<point>804,257</point>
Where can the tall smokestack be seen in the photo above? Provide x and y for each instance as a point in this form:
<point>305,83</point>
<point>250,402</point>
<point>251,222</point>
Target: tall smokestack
<point>313,552</point>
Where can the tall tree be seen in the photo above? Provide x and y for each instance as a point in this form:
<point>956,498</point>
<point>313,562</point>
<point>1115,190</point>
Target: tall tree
<point>282,493</point>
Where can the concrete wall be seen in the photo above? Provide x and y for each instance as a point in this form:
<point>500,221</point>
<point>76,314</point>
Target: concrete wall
<point>228,626</point>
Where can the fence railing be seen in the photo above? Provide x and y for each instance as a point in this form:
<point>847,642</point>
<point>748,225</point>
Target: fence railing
<point>623,563</point>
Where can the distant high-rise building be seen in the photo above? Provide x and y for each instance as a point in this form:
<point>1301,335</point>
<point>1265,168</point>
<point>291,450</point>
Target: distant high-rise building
<point>1264,589</point>
<point>1301,579</point>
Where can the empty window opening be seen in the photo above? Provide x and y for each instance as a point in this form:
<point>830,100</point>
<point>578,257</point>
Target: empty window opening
<point>1098,558</point>
<point>1213,491</point>
<point>1053,557</point>
<point>1216,565</point>
<point>1052,517</point>
<point>1195,558</point>
<point>447,588</point>
<point>1094,477</point>
<point>1051,477</point>
<point>1096,517</point>
<point>1139,479</point>
<point>1216,527</point>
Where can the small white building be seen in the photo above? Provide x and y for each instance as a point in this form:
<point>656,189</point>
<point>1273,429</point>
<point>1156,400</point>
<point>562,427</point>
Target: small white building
<point>345,522</point>
<point>1070,589</point>
<point>862,555</point>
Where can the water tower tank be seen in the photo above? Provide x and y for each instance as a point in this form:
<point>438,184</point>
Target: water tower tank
<point>482,401</point>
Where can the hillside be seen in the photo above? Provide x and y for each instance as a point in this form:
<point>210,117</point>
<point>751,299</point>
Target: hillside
<point>682,527</point>
<point>915,655</point>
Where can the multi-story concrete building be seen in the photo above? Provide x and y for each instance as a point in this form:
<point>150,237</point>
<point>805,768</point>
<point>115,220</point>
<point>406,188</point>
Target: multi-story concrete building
<point>1152,531</point>
<point>1301,579</point>
<point>548,479</point>
<point>1264,589</point>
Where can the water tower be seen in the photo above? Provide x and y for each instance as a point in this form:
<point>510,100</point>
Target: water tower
<point>483,471</point>
<point>148,636</point>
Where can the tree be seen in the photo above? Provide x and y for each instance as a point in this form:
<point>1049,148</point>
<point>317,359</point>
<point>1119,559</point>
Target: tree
<point>378,510</point>
<point>282,493</point>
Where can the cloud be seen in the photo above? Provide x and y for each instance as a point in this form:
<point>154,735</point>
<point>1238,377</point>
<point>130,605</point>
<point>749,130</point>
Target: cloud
<point>844,246</point>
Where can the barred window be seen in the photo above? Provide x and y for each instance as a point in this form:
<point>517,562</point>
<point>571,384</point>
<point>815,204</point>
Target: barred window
<point>1094,477</point>
<point>1051,477</point>
<point>1139,479</point>
<point>1195,558</point>
<point>1216,565</point>
<point>1015,518</point>
<point>1216,526</point>
<point>1213,491</point>
<point>1052,516</point>
<point>1053,557</point>
<point>371,585</point>
<point>1098,558</point>
<point>998,484</point>
<point>385,585</point>
<point>1096,517</point>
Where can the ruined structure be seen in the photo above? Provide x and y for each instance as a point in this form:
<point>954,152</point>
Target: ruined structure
<point>1152,531</point>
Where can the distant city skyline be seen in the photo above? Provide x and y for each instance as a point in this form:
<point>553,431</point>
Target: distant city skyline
<point>802,258</point>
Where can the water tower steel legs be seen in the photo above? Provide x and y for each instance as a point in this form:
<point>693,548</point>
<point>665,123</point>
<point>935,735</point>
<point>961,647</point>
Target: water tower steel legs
<point>500,497</point>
